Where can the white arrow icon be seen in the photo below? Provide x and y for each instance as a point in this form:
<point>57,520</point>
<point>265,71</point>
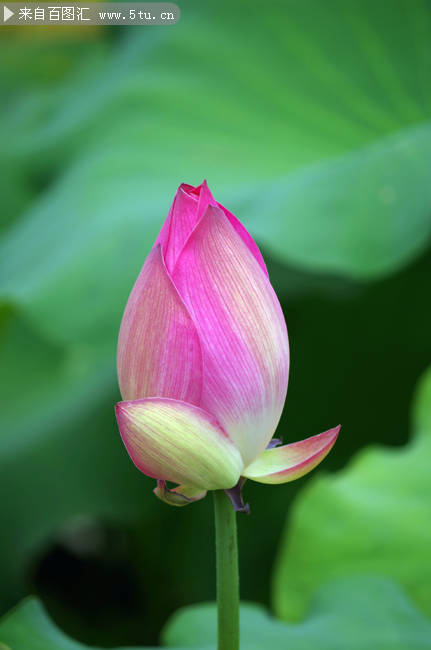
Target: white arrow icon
<point>7,13</point>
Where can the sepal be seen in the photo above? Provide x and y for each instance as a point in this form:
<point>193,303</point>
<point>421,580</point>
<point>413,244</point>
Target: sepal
<point>235,497</point>
<point>275,442</point>
<point>179,496</point>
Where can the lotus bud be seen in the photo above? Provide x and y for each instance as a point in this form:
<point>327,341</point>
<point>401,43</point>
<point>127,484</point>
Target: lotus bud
<point>203,361</point>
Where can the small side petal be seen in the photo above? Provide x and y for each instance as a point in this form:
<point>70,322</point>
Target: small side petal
<point>206,199</point>
<point>284,464</point>
<point>179,496</point>
<point>241,329</point>
<point>180,222</point>
<point>159,351</point>
<point>163,236</point>
<point>174,441</point>
<point>246,238</point>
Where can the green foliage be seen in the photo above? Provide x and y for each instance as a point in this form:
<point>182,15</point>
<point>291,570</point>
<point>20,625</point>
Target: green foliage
<point>60,459</point>
<point>318,138</point>
<point>372,517</point>
<point>28,627</point>
<point>353,614</point>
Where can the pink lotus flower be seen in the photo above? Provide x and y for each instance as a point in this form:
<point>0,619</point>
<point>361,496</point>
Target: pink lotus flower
<point>203,360</point>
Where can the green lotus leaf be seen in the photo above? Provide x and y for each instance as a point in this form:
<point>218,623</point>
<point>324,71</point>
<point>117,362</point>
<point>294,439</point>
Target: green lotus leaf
<point>354,613</point>
<point>372,517</point>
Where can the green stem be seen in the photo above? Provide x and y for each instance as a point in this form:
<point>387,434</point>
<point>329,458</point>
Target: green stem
<point>227,573</point>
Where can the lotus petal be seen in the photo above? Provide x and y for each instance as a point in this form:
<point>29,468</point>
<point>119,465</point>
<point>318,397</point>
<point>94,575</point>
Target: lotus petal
<point>284,464</point>
<point>174,441</point>
<point>241,330</point>
<point>159,353</point>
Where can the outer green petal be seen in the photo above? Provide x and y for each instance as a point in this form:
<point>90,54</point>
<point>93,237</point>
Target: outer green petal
<point>283,464</point>
<point>175,441</point>
<point>179,496</point>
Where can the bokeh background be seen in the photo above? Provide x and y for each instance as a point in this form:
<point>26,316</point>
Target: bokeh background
<point>311,122</point>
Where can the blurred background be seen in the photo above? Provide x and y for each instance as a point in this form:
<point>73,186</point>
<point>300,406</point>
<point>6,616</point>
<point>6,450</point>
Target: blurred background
<point>311,122</point>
